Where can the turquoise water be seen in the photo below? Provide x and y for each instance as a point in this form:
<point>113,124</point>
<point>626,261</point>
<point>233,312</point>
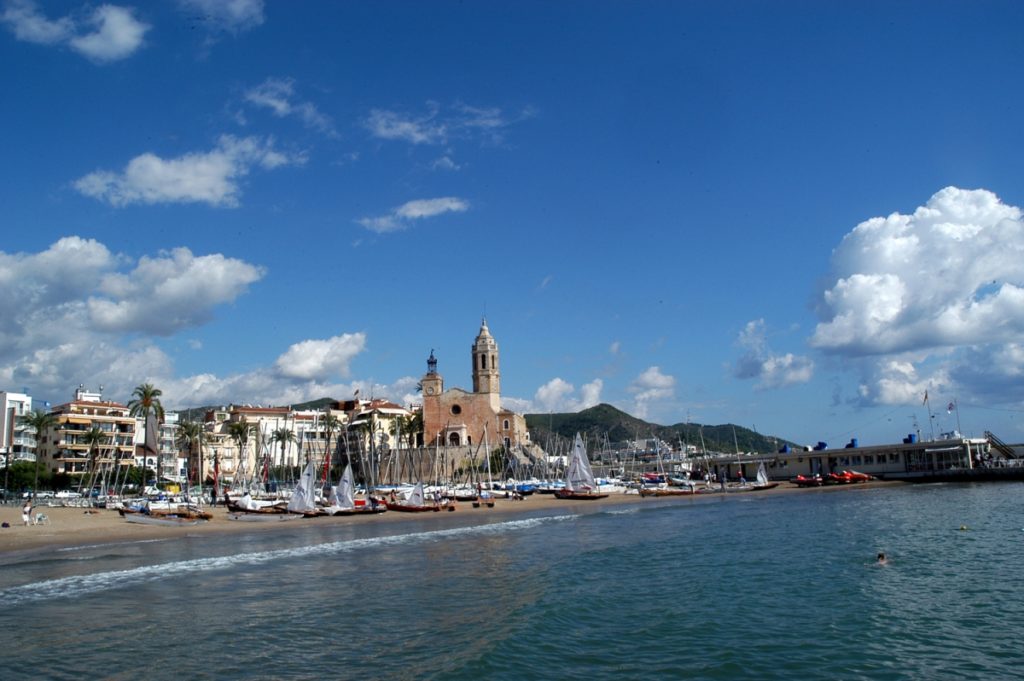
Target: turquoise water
<point>776,586</point>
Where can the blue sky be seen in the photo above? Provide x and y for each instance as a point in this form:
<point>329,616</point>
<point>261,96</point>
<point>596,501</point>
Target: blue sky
<point>793,216</point>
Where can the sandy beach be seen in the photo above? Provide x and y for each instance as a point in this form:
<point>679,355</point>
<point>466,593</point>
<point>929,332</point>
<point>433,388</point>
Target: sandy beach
<point>68,526</point>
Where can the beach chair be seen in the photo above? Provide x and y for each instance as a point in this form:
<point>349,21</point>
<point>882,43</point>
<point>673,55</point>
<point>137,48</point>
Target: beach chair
<point>42,519</point>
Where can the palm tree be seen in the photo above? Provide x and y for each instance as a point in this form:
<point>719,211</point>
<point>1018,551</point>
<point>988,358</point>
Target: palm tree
<point>146,402</point>
<point>331,423</point>
<point>414,429</point>
<point>39,421</point>
<point>283,436</point>
<point>94,437</point>
<point>240,432</point>
<point>190,439</point>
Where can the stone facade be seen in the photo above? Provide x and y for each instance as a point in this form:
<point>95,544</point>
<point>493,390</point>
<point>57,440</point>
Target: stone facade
<point>459,418</point>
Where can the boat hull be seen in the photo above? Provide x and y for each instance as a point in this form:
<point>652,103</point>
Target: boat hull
<point>579,496</point>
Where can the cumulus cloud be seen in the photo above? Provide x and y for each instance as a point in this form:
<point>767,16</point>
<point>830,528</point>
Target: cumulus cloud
<point>108,34</point>
<point>161,295</point>
<point>210,177</point>
<point>923,291</point>
<point>228,15</point>
<point>76,312</point>
<point>116,35</point>
<point>946,275</point>
<point>401,218</point>
<point>650,387</point>
<point>558,395</point>
<point>317,358</point>
<point>769,369</point>
<point>278,95</point>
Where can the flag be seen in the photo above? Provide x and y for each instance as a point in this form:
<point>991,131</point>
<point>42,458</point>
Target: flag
<point>925,397</point>
<point>950,408</point>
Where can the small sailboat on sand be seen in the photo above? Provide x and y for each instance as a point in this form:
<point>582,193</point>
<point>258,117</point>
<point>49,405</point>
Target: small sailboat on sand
<point>579,478</point>
<point>343,498</point>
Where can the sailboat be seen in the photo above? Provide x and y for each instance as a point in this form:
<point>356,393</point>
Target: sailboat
<point>303,498</point>
<point>579,478</point>
<point>762,479</point>
<point>415,503</point>
<point>343,498</point>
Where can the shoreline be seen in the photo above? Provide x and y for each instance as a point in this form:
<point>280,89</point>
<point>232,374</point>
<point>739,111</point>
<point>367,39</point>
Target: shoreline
<point>71,527</point>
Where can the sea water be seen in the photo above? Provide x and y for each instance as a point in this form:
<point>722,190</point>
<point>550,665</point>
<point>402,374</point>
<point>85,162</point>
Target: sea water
<point>781,586</point>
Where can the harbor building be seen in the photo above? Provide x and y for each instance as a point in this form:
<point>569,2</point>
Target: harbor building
<point>459,418</point>
<point>949,457</point>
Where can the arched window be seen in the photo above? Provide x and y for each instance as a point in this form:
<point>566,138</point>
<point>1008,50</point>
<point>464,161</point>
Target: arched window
<point>483,361</point>
<point>505,424</point>
<point>453,439</point>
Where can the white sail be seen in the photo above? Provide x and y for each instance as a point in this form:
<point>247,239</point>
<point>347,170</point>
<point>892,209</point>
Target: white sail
<point>762,475</point>
<point>303,498</point>
<point>578,476</point>
<point>416,496</point>
<point>343,496</point>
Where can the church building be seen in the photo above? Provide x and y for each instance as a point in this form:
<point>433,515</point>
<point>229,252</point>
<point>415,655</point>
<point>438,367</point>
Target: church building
<point>459,418</point>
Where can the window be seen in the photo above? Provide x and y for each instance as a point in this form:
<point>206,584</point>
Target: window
<point>505,424</point>
<point>483,361</point>
<point>456,409</point>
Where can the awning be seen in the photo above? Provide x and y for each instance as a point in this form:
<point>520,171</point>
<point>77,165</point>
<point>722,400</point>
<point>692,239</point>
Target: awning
<point>79,421</point>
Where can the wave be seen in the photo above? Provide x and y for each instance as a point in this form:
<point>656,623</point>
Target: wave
<point>78,585</point>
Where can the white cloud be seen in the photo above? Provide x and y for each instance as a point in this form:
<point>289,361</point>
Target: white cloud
<point>615,348</point>
<point>230,15</point>
<point>173,291</point>
<point>278,95</point>
<point>211,177</point>
<point>117,34</point>
<point>444,163</point>
<point>439,125</point>
<point>318,358</point>
<point>557,395</point>
<point>651,386</point>
<point>391,125</point>
<point>78,313</point>
<point>771,370</point>
<point>113,32</point>
<point>552,395</point>
<point>401,217</point>
<point>947,275</point>
<point>926,293</point>
<point>28,24</point>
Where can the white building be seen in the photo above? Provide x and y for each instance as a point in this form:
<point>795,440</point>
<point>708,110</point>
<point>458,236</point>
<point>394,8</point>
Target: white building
<point>16,439</point>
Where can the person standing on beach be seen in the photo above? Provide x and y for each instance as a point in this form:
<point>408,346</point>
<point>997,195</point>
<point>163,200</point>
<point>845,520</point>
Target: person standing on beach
<point>26,513</point>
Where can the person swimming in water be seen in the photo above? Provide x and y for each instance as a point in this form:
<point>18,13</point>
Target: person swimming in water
<point>882,560</point>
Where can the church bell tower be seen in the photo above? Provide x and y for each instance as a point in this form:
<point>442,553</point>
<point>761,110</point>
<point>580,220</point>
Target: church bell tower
<point>486,377</point>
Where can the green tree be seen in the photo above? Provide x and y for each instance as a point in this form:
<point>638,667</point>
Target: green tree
<point>145,402</point>
<point>240,432</point>
<point>190,439</point>
<point>283,436</point>
<point>39,421</point>
<point>94,437</point>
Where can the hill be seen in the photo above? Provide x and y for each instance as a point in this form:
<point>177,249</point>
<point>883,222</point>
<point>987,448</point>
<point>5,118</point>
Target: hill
<point>604,420</point>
